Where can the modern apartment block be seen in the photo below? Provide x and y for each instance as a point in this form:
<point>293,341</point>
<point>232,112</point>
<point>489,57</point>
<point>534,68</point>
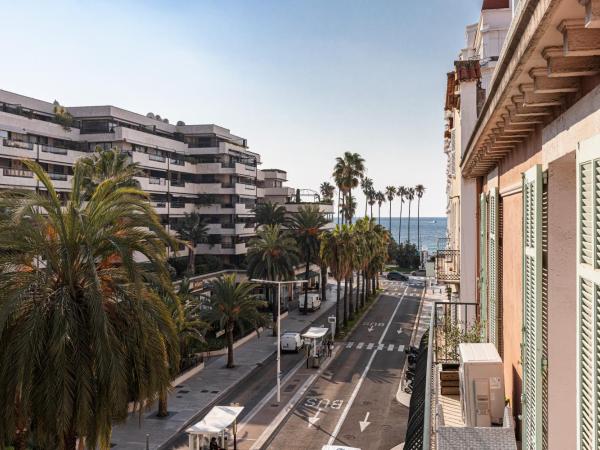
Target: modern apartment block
<point>186,168</point>
<point>523,211</point>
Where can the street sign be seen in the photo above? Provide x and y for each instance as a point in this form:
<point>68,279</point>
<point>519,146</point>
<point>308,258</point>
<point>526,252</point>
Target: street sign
<point>220,333</point>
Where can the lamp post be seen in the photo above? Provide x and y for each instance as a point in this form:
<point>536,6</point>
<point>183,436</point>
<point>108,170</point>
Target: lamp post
<point>278,283</point>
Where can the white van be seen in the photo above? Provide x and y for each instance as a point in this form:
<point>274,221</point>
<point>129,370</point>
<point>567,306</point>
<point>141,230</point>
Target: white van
<point>313,303</point>
<point>291,342</point>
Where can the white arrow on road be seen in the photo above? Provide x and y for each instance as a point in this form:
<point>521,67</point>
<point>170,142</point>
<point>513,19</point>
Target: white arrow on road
<point>312,420</point>
<point>370,328</point>
<point>364,423</point>
<point>399,330</point>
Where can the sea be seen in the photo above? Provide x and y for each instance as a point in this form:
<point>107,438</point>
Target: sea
<point>432,229</point>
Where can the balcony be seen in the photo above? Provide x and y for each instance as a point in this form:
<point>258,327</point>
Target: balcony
<point>153,184</point>
<point>245,189</point>
<point>244,229</point>
<point>17,178</point>
<point>48,153</point>
<point>447,265</point>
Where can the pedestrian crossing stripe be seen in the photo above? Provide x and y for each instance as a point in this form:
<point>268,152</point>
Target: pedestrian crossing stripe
<point>373,346</point>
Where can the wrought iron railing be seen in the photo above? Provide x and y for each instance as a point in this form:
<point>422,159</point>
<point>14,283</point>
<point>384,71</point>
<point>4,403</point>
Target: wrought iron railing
<point>447,265</point>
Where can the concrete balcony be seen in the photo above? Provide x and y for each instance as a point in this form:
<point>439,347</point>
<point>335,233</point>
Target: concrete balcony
<point>62,182</point>
<point>150,161</point>
<point>153,184</point>
<point>221,228</point>
<point>245,189</point>
<point>215,209</point>
<point>282,191</point>
<point>149,140</point>
<point>248,171</point>
<point>244,230</point>
<point>17,178</point>
<point>182,209</point>
<point>241,249</point>
<point>260,192</point>
<point>17,149</point>
<point>214,168</point>
<point>48,153</point>
<point>183,188</point>
<point>214,188</point>
<point>217,249</point>
<point>160,208</point>
<point>242,209</point>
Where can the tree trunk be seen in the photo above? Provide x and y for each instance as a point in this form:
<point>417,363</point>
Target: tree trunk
<point>408,237</point>
<point>419,229</point>
<point>191,268</point>
<point>371,211</point>
<point>351,304</point>
<point>364,289</point>
<point>229,347</point>
<point>379,216</point>
<point>323,283</point>
<point>377,279</point>
<point>373,288</point>
<point>400,224</point>
<point>345,301</point>
<point>357,301</point>
<point>305,309</point>
<point>339,204</point>
<point>273,308</point>
<point>163,407</point>
<point>366,210</point>
<point>70,441</point>
<point>390,217</point>
<point>337,304</point>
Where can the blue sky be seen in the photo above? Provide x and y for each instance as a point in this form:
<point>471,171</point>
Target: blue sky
<point>303,81</point>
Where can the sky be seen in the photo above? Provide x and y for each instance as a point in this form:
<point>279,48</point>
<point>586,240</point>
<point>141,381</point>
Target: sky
<point>302,81</point>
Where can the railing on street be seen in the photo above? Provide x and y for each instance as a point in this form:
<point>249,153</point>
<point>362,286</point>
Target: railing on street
<point>447,265</point>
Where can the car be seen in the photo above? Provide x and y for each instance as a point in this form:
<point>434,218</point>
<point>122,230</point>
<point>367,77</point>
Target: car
<point>397,276</point>
<point>291,342</point>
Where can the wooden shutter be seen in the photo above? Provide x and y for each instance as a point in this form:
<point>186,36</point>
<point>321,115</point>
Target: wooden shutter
<point>532,309</point>
<point>588,292</point>
<point>483,266</point>
<point>493,267</point>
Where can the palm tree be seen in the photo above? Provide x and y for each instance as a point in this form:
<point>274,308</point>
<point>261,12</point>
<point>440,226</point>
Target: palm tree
<point>366,185</point>
<point>307,225</point>
<point>269,213</point>
<point>401,192</point>
<point>380,197</point>
<point>104,164</point>
<point>336,255</point>
<point>372,200</point>
<point>410,196</point>
<point>419,191</point>
<point>348,208</point>
<point>233,305</point>
<point>390,192</point>
<point>327,191</point>
<point>347,173</point>
<point>74,305</point>
<point>272,255</point>
<point>193,230</point>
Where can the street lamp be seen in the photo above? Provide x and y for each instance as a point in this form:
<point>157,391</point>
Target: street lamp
<point>278,283</point>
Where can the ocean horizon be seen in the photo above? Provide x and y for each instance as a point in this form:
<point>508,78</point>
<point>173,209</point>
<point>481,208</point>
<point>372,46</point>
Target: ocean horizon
<point>431,229</point>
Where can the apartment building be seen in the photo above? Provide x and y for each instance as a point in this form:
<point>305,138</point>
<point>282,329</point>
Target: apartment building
<point>185,168</point>
<point>524,146</point>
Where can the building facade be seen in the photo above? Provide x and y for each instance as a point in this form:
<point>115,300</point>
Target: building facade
<point>185,168</point>
<point>524,141</point>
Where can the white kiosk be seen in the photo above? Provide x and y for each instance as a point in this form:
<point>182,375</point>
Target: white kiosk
<point>315,342</point>
<point>219,423</point>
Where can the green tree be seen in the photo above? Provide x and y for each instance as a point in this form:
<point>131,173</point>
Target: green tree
<point>327,191</point>
<point>371,200</point>
<point>336,257</point>
<point>269,214</point>
<point>272,255</point>
<point>233,304</point>
<point>349,169</point>
<point>307,226</point>
<point>366,184</point>
<point>380,197</point>
<point>74,305</point>
<point>390,193</point>
<point>193,230</point>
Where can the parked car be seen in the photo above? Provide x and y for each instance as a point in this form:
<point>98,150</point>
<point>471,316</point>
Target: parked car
<point>291,342</point>
<point>397,276</point>
<point>313,302</point>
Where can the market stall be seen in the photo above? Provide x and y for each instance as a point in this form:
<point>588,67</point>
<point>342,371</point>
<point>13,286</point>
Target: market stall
<point>219,423</point>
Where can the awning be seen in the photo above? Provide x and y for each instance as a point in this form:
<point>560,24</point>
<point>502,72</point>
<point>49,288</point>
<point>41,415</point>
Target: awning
<point>315,332</point>
<point>217,420</point>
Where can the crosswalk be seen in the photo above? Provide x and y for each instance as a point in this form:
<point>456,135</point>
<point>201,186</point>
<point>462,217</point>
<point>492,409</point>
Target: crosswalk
<point>373,346</point>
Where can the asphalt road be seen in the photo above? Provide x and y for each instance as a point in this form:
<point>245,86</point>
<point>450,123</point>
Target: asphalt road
<point>353,403</point>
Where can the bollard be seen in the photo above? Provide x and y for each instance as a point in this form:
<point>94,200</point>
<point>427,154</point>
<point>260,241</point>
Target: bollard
<point>148,441</point>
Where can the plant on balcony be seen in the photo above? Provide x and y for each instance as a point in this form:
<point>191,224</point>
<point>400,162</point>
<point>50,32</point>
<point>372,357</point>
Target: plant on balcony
<point>193,230</point>
<point>233,305</point>
<point>62,116</point>
<point>451,332</point>
<point>70,328</point>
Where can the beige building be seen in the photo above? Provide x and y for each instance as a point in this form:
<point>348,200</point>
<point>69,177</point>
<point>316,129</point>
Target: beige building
<point>186,168</point>
<point>524,148</point>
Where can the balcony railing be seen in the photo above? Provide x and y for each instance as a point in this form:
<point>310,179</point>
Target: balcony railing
<point>18,144</point>
<point>177,183</point>
<point>447,265</point>
<point>157,180</point>
<point>177,205</point>
<point>17,173</point>
<point>58,176</point>
<point>177,162</point>
<point>159,158</point>
<point>55,150</point>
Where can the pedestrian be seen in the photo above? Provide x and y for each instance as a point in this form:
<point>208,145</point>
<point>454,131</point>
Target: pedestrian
<point>330,346</point>
<point>213,444</point>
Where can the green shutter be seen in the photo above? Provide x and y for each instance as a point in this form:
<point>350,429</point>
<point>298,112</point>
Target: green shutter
<point>493,266</point>
<point>588,293</point>
<point>483,266</point>
<point>532,309</point>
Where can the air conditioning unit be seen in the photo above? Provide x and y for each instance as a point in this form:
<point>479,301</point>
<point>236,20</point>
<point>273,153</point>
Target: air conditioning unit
<point>481,379</point>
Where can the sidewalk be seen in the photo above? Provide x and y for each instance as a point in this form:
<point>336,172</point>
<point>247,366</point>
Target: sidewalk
<point>204,389</point>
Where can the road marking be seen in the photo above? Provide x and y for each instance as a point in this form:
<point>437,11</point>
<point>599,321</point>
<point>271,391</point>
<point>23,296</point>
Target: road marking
<point>349,345</point>
<point>401,348</point>
<point>360,345</point>
<point>399,331</point>
<point>390,347</point>
<point>370,328</point>
<point>370,346</point>
<point>380,346</point>
<point>312,420</point>
<point>364,423</point>
<point>342,418</point>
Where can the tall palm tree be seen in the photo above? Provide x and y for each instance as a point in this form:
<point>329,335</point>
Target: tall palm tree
<point>269,213</point>
<point>380,197</point>
<point>104,164</point>
<point>372,200</point>
<point>272,255</point>
<point>347,173</point>
<point>366,185</point>
<point>419,191</point>
<point>410,196</point>
<point>349,208</point>
<point>193,229</point>
<point>401,192</point>
<point>390,193</point>
<point>327,191</point>
<point>233,305</point>
<point>73,306</point>
<point>336,255</point>
<point>307,225</point>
